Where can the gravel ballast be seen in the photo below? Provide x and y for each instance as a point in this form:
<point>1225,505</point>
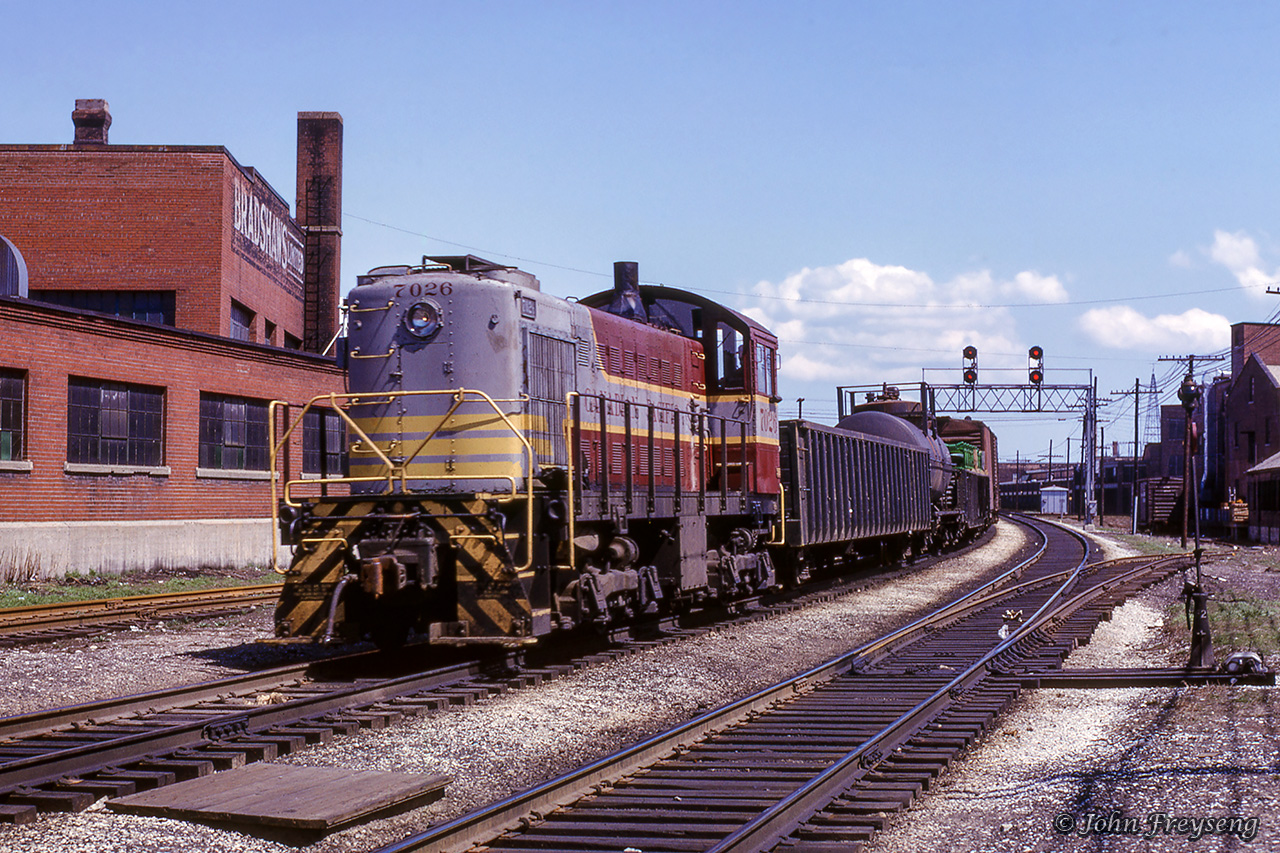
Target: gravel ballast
<point>512,741</point>
<point>1074,770</point>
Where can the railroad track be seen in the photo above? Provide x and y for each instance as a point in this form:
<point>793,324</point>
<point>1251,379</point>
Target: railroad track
<point>814,764</point>
<point>64,759</point>
<point>48,622</point>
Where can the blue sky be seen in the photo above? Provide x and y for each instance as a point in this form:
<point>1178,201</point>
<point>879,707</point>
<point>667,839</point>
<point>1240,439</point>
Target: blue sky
<point>881,183</point>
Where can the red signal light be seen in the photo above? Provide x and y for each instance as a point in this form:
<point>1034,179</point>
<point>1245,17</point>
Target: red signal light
<point>1036,375</point>
<point>970,352</point>
<point>1036,353</point>
<point>970,375</point>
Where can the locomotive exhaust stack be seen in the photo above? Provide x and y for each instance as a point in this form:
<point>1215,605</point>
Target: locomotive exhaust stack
<point>626,292</point>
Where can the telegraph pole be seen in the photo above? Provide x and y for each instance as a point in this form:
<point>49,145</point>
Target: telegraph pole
<point>1137,399</point>
<point>1188,395</point>
<point>1102,480</point>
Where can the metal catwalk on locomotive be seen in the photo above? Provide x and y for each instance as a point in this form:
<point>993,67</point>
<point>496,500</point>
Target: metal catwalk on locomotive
<point>520,463</point>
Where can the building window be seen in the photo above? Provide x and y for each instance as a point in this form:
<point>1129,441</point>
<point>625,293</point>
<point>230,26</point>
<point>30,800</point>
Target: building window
<point>233,433</point>
<point>241,322</point>
<point>269,332</point>
<point>110,423</point>
<point>148,306</point>
<point>13,414</point>
<point>290,342</point>
<point>324,440</point>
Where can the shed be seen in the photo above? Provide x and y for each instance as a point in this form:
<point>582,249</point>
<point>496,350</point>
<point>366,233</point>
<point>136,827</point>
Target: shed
<point>1053,500</point>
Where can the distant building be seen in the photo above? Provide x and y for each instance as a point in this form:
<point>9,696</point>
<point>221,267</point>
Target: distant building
<point>154,298</point>
<point>1252,417</point>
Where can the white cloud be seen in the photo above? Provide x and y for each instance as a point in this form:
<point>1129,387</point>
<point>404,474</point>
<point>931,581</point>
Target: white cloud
<point>1037,288</point>
<point>1121,327</point>
<point>1234,251</point>
<point>862,322</point>
<point>1239,253</point>
<point>1181,259</point>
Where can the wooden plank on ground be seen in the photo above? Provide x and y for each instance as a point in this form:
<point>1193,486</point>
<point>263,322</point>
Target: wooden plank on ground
<point>285,795</point>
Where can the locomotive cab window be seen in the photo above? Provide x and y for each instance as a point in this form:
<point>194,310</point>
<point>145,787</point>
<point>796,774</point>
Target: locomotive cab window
<point>729,356</point>
<point>766,370</point>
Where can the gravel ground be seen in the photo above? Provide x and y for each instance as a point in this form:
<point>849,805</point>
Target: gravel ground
<point>508,742</point>
<point>1059,751</point>
<point>1074,770</point>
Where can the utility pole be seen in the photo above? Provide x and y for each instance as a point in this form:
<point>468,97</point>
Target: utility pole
<point>1137,407</point>
<point>1137,389</point>
<point>1071,480</point>
<point>1188,395</point>
<point>1102,479</point>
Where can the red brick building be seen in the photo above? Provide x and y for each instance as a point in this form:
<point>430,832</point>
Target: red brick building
<point>153,300</point>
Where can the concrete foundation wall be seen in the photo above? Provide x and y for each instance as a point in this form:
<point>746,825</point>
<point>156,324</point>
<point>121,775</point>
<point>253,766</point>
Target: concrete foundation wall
<point>51,549</point>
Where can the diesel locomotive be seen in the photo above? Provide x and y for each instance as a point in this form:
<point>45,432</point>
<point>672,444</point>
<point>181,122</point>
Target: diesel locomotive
<point>519,464</point>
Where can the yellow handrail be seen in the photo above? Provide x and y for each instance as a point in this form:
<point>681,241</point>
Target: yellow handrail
<point>782,513</point>
<point>355,353</point>
<point>395,471</point>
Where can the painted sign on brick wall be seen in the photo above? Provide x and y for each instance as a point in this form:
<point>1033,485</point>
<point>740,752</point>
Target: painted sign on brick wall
<point>266,237</point>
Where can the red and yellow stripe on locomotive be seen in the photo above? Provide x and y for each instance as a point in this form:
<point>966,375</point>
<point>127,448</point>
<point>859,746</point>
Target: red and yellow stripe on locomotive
<point>520,463</point>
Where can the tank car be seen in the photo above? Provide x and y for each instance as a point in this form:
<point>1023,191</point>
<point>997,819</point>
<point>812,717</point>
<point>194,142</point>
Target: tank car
<point>520,464</point>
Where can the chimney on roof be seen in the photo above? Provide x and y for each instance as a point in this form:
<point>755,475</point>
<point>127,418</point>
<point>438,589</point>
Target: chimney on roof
<point>319,212</point>
<point>92,118</point>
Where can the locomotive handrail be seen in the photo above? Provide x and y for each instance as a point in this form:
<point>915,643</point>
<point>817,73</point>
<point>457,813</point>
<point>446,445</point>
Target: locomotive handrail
<point>700,438</point>
<point>355,353</point>
<point>782,516</point>
<point>396,470</point>
<point>354,310</point>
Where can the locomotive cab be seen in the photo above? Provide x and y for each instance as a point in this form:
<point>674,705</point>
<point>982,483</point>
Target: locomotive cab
<point>740,377</point>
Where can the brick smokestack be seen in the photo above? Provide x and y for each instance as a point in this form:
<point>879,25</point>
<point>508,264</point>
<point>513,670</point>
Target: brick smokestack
<point>92,118</point>
<point>319,212</point>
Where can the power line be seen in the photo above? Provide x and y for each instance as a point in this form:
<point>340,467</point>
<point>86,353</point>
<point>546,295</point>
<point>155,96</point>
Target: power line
<point>912,305</point>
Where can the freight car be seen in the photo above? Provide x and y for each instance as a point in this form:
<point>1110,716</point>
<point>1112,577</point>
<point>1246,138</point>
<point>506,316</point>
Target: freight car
<point>520,463</point>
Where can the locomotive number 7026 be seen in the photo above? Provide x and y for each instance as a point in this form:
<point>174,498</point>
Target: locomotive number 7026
<point>424,288</point>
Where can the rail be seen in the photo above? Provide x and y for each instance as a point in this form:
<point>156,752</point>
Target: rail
<point>486,823</point>
<point>777,822</point>
<point>73,614</point>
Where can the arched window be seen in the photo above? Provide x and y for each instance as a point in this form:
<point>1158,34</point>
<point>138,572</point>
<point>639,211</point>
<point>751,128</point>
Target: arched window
<point>13,270</point>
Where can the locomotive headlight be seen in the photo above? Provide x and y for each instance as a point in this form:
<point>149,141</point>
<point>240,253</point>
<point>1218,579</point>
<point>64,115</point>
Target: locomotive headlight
<point>422,320</point>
